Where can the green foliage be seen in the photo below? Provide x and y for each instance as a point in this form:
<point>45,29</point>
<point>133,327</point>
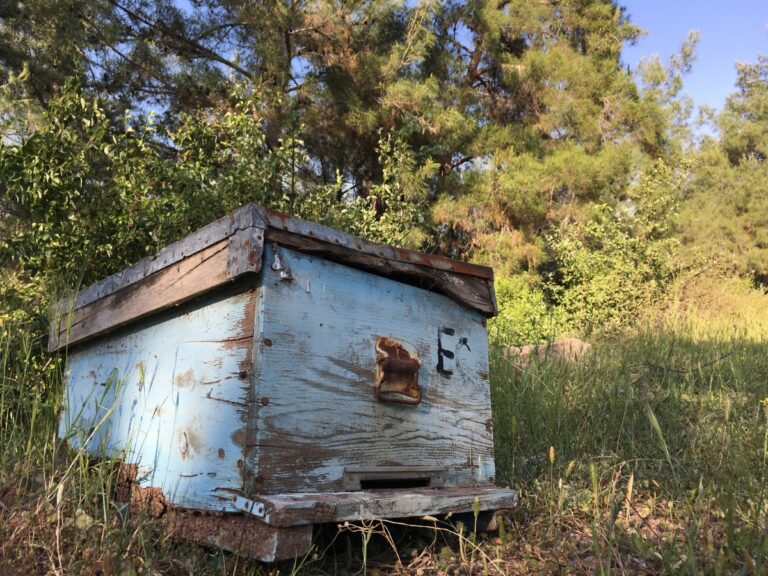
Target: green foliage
<point>561,130</point>
<point>42,44</point>
<point>744,121</point>
<point>78,194</point>
<point>725,211</point>
<point>664,98</point>
<point>652,428</point>
<point>515,115</point>
<point>724,215</point>
<point>610,268</point>
<point>471,128</point>
<point>394,212</point>
<point>524,315</point>
<point>84,198</point>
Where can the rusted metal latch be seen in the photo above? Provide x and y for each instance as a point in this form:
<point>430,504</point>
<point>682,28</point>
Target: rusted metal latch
<point>397,372</point>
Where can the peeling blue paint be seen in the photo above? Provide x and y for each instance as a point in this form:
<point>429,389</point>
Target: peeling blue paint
<point>267,386</point>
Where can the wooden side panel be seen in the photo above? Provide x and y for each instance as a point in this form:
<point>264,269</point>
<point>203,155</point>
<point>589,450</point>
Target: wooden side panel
<point>315,413</point>
<point>467,289</point>
<point>170,394</point>
<point>177,283</point>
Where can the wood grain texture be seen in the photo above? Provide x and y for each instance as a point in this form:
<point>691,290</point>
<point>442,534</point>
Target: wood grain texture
<point>302,509</point>
<point>172,395</point>
<point>213,233</point>
<point>476,292</point>
<point>244,252</point>
<point>173,285</point>
<point>315,412</point>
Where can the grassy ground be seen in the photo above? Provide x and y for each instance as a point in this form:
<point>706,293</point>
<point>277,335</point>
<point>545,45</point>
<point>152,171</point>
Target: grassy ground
<point>648,456</point>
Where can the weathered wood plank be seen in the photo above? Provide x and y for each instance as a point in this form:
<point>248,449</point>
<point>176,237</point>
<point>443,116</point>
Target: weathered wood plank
<point>473,291</point>
<point>171,395</point>
<point>213,233</point>
<point>332,237</point>
<point>244,252</point>
<point>315,508</point>
<point>175,284</point>
<point>315,413</point>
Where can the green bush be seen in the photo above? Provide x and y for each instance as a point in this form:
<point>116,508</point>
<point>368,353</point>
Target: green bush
<point>85,196</point>
<point>609,269</point>
<point>524,315</point>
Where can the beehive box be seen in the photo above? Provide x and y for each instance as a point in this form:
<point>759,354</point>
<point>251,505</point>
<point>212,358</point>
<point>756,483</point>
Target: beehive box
<point>265,374</point>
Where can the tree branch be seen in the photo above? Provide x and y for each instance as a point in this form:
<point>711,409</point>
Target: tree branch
<point>195,47</point>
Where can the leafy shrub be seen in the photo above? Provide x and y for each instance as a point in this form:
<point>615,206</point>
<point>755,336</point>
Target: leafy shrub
<point>607,270</point>
<point>85,196</point>
<point>524,315</point>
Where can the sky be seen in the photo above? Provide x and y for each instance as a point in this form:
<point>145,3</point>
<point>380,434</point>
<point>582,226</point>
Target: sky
<point>731,31</point>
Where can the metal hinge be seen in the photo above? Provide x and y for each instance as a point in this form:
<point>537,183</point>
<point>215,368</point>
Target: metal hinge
<point>252,507</point>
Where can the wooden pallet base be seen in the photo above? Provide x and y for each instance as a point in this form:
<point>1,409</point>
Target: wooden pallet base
<point>279,527</point>
<point>240,534</point>
<point>323,507</point>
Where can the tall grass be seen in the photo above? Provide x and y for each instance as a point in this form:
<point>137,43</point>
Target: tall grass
<point>648,455</point>
<point>660,437</point>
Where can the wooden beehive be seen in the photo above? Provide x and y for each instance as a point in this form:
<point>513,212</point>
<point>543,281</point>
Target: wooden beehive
<point>265,374</point>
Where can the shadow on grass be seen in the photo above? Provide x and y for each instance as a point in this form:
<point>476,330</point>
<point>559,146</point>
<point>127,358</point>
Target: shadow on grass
<point>647,456</point>
<point>650,453</point>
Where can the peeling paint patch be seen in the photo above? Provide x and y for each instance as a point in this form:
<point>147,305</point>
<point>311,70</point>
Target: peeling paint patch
<point>238,437</point>
<point>185,379</point>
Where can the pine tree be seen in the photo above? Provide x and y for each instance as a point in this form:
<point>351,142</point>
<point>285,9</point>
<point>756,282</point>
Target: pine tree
<point>725,216</point>
<point>515,116</point>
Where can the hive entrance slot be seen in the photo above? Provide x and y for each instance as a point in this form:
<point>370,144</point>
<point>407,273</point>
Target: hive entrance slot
<point>394,483</point>
<point>393,478</point>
